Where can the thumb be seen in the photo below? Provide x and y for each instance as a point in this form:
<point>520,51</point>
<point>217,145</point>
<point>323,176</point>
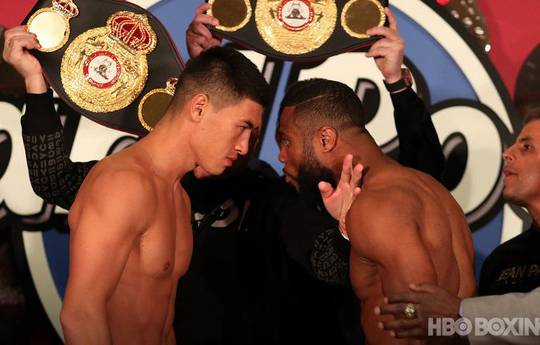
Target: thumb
<point>326,189</point>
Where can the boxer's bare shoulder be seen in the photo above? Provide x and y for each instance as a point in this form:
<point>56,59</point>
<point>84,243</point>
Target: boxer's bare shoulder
<point>383,221</point>
<point>405,228</point>
<point>112,184</point>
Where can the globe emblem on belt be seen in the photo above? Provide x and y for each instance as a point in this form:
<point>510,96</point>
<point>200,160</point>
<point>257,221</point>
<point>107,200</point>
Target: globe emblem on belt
<point>102,69</point>
<point>295,15</point>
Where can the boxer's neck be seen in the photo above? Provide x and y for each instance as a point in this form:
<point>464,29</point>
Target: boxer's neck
<point>365,151</point>
<point>168,148</point>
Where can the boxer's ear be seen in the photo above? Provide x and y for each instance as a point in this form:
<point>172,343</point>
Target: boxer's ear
<point>327,138</point>
<point>199,106</point>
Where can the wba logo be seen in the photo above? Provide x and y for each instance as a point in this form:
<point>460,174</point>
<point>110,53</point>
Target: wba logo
<point>471,112</point>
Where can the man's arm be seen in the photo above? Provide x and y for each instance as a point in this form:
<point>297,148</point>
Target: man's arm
<point>105,227</point>
<point>435,302</point>
<point>54,177</point>
<point>419,144</point>
<point>513,305</point>
<point>384,234</point>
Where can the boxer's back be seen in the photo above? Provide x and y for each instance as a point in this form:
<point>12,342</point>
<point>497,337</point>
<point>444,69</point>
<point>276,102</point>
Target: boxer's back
<point>406,228</point>
<point>445,233</point>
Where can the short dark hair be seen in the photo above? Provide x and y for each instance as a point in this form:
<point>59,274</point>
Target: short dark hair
<point>225,75</point>
<point>321,100</point>
<point>531,111</point>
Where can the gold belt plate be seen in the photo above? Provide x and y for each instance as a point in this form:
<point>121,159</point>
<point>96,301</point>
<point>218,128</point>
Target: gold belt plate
<point>295,26</point>
<point>51,24</point>
<point>155,104</point>
<point>105,69</point>
<point>232,14</point>
<point>360,15</point>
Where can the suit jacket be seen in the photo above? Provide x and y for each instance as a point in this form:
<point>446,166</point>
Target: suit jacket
<point>522,305</point>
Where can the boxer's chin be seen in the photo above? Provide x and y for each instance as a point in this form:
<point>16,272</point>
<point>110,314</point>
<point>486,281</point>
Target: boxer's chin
<point>309,176</point>
<point>200,173</point>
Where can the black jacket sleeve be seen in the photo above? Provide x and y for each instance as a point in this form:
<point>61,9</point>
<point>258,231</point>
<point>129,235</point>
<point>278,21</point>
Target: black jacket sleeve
<point>54,177</point>
<point>419,145</point>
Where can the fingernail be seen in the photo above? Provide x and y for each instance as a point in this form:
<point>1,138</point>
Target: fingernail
<point>380,325</point>
<point>377,311</point>
<point>393,334</point>
<point>386,300</point>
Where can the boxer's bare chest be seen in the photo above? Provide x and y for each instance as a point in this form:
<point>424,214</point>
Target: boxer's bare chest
<point>165,248</point>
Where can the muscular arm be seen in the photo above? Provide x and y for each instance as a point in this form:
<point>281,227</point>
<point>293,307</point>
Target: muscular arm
<point>105,227</point>
<point>54,177</point>
<point>385,241</point>
<point>419,145</point>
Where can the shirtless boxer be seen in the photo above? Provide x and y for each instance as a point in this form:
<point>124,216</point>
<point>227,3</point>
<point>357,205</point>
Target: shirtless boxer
<point>131,237</point>
<point>404,227</point>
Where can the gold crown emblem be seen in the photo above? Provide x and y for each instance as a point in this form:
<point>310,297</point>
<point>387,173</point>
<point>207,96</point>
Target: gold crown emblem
<point>66,7</point>
<point>133,30</point>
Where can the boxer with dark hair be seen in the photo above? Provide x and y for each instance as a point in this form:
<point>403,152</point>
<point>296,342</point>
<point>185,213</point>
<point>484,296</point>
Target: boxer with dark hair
<point>223,77</point>
<point>404,226</point>
<point>130,223</point>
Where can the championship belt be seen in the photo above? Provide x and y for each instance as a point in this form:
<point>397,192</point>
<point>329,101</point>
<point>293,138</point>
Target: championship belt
<point>298,29</point>
<point>105,58</point>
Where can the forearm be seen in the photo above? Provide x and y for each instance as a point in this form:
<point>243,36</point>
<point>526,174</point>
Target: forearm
<point>52,174</point>
<point>54,177</point>
<point>36,84</point>
<point>85,326</point>
<point>508,305</point>
<point>419,144</point>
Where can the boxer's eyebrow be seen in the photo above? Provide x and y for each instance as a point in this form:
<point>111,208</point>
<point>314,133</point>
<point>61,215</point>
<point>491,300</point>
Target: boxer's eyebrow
<point>250,125</point>
<point>524,139</point>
